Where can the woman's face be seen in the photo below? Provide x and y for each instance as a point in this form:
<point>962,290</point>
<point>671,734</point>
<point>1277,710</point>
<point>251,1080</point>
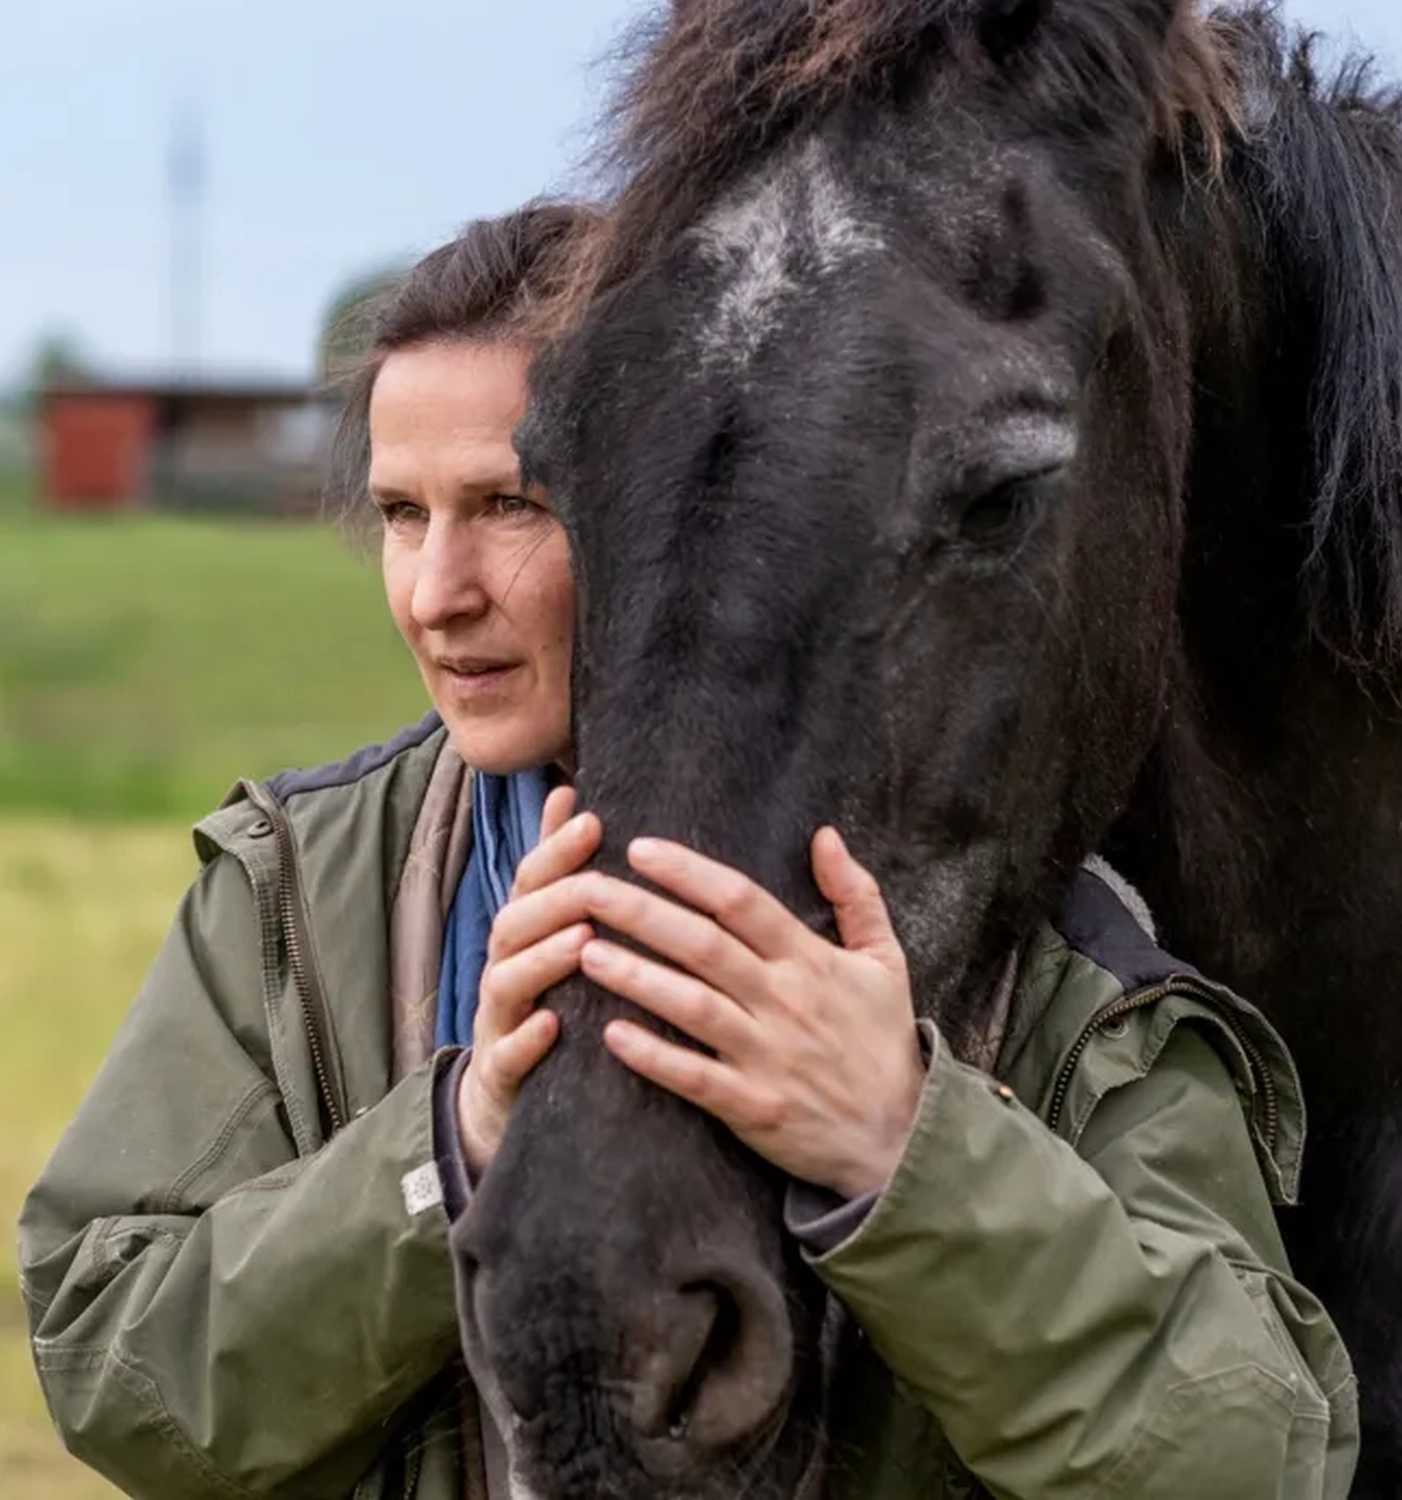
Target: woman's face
<point>477,572</point>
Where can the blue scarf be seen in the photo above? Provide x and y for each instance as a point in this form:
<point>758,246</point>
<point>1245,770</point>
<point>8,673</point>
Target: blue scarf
<point>506,813</point>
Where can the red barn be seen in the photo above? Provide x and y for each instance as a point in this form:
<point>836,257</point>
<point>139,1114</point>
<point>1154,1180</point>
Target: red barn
<point>182,445</point>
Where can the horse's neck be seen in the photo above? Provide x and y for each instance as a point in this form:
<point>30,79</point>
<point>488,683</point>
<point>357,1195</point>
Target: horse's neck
<point>1266,830</point>
<point>1260,807</point>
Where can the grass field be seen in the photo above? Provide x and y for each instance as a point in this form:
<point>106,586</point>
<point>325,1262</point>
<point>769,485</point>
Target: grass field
<point>144,664</point>
<point>147,662</point>
<point>82,908</point>
<point>16,493</point>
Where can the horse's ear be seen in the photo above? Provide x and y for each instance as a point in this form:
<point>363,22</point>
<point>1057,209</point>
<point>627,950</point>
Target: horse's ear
<point>1006,28</point>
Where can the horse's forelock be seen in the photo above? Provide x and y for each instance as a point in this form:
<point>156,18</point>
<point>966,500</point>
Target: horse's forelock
<point>712,86</point>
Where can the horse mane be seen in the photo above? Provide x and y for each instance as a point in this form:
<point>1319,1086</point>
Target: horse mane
<point>709,87</point>
<point>1318,166</point>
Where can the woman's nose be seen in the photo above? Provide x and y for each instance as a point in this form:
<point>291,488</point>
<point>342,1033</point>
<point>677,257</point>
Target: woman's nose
<point>448,584</point>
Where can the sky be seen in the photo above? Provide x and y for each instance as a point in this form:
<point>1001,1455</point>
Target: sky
<point>338,137</point>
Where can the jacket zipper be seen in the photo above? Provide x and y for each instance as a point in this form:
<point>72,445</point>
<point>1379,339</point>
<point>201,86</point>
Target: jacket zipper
<point>412,1467</point>
<point>1139,1001</point>
<point>298,945</point>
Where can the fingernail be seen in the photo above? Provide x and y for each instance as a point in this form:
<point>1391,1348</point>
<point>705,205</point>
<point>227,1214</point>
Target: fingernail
<point>643,848</point>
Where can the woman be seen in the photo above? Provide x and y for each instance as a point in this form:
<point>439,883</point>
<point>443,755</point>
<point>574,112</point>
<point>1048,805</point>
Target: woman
<point>237,1264</point>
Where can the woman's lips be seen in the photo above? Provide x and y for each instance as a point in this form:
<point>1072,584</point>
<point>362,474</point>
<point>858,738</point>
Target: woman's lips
<point>474,679</point>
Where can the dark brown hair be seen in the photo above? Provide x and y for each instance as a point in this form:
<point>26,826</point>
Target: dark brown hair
<point>488,283</point>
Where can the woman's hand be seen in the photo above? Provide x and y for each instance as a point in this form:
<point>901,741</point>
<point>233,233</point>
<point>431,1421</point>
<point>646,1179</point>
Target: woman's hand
<point>531,948</point>
<point>817,1060</point>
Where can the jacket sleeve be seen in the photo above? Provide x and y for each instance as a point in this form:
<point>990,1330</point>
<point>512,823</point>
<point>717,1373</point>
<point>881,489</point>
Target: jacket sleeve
<point>1113,1324</point>
<point>210,1315</point>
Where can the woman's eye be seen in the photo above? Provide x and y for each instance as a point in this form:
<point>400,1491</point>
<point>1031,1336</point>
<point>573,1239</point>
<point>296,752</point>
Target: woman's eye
<point>398,513</point>
<point>513,505</point>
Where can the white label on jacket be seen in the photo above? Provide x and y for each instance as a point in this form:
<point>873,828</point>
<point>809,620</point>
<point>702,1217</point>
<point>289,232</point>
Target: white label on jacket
<point>422,1188</point>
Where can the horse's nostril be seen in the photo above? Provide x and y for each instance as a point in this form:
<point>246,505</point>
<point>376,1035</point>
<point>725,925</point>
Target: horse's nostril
<point>719,1347</point>
<point>716,1365</point>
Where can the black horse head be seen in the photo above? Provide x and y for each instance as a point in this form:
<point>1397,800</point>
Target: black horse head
<point>873,450</point>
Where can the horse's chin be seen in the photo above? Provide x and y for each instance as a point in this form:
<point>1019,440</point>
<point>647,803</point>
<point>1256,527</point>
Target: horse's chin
<point>787,1463</point>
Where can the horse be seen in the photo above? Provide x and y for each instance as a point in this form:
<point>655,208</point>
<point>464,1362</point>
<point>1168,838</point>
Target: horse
<point>977,423</point>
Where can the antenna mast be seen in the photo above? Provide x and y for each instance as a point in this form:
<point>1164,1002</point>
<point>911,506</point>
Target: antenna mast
<point>186,182</point>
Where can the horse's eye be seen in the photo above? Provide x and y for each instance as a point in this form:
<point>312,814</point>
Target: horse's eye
<point>997,516</point>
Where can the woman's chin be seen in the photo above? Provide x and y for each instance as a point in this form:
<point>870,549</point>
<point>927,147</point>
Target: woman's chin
<point>500,749</point>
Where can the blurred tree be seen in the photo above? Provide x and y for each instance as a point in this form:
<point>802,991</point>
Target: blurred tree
<point>16,449</point>
<point>57,359</point>
<point>346,328</point>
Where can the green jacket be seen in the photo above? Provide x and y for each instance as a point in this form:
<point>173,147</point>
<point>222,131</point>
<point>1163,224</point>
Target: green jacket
<point>1074,1281</point>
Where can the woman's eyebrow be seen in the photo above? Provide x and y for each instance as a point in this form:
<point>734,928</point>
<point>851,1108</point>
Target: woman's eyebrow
<point>387,492</point>
<point>492,479</point>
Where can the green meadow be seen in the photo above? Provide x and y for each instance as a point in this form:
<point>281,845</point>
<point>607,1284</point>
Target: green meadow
<point>145,664</point>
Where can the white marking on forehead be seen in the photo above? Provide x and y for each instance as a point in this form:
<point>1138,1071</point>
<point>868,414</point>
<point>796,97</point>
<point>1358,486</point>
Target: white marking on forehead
<point>752,234</point>
<point>792,218</point>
